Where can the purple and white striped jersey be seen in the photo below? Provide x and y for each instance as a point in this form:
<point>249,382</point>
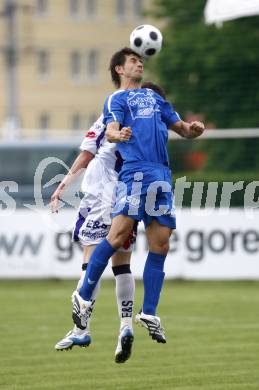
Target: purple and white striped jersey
<point>107,162</point>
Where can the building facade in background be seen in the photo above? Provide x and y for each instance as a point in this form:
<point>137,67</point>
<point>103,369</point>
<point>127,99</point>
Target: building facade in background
<point>63,53</point>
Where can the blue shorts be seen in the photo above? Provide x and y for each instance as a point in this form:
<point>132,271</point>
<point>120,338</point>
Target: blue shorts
<point>144,192</point>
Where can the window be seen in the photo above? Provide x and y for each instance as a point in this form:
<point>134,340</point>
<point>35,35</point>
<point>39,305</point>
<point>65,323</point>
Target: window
<point>75,64</point>
<point>43,63</point>
<point>76,122</point>
<point>90,6</point>
<point>121,9</point>
<point>137,8</point>
<point>74,8</point>
<point>41,7</point>
<point>44,121</point>
<point>92,64</point>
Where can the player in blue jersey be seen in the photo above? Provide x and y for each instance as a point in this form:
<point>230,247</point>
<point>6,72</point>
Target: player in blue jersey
<point>101,169</point>
<point>137,119</point>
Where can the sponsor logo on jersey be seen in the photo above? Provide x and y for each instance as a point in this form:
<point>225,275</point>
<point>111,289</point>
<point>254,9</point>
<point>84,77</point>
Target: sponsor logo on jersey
<point>142,105</point>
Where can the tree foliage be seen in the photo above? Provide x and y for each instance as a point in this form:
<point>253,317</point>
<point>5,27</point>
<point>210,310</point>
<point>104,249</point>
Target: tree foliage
<point>209,70</point>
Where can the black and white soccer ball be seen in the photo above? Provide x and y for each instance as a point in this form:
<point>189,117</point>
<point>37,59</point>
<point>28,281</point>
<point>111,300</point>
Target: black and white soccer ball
<point>146,40</point>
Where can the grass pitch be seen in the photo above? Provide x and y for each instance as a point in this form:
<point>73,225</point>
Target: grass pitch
<point>212,333</point>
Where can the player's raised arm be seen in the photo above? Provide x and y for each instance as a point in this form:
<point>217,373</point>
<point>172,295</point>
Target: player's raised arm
<point>188,130</point>
<point>114,134</point>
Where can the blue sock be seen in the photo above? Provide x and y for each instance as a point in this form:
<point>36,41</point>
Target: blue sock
<point>97,264</point>
<point>153,278</point>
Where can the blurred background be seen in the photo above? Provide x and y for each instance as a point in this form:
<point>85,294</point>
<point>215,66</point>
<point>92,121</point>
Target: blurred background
<point>54,79</point>
<point>54,58</point>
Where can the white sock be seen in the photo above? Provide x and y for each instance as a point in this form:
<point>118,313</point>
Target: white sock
<point>78,331</point>
<point>125,290</point>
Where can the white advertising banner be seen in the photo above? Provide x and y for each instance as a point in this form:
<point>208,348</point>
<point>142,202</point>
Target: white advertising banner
<point>216,244</point>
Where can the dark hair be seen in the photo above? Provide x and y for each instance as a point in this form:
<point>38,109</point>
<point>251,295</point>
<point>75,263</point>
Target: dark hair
<point>155,87</point>
<point>119,58</point>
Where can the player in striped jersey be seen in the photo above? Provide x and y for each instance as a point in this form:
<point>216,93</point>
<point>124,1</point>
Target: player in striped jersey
<point>103,163</point>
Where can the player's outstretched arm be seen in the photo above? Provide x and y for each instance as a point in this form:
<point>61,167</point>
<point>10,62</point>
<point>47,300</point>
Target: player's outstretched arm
<point>114,134</point>
<point>80,162</point>
<point>188,130</point>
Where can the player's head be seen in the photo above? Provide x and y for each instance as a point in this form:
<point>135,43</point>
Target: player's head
<point>126,62</point>
<point>154,87</point>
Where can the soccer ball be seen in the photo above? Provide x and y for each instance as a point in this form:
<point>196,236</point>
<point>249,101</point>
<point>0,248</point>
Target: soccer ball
<point>146,40</point>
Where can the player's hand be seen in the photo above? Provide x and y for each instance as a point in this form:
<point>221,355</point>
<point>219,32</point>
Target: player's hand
<point>55,199</point>
<point>125,134</point>
<point>196,129</point>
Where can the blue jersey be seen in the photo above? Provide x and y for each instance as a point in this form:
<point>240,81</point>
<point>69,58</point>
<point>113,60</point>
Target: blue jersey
<point>149,117</point>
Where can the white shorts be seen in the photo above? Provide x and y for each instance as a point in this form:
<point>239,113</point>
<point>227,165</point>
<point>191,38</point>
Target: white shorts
<point>90,228</point>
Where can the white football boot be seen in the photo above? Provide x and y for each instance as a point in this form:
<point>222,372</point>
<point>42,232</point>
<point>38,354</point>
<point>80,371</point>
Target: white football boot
<point>125,341</point>
<point>76,336</point>
<point>153,325</point>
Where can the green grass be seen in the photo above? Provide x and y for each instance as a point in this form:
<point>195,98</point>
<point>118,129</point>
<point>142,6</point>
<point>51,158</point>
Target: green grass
<point>212,333</point>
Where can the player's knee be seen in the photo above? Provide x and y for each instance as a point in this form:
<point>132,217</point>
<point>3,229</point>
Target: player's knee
<point>117,239</point>
<point>160,247</point>
<point>164,248</point>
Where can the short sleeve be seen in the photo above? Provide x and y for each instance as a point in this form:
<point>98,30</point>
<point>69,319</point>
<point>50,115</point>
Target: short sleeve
<point>114,108</point>
<point>169,116</point>
<point>93,137</point>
